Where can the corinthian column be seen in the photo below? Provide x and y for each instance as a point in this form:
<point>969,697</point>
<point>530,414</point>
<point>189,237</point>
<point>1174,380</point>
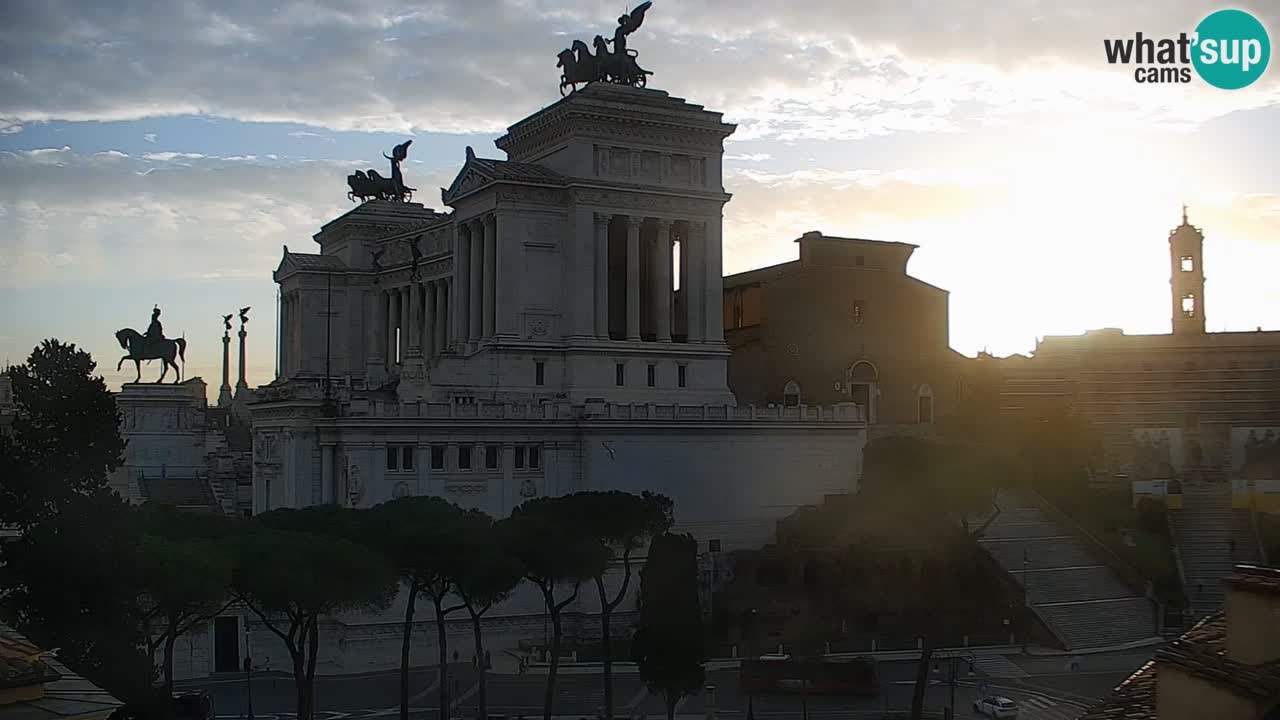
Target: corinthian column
<point>489,317</point>
<point>429,320</point>
<point>475,303</point>
<point>662,281</point>
<point>415,319</point>
<point>602,275</point>
<point>461,284</point>
<point>633,279</point>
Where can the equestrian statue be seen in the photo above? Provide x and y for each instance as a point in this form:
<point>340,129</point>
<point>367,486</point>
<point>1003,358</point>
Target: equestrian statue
<point>372,186</point>
<point>618,67</point>
<point>152,346</point>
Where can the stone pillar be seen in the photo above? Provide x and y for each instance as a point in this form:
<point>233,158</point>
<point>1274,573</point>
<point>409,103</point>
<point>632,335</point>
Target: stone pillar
<point>429,320</point>
<point>714,279</point>
<point>461,284</point>
<point>415,319</point>
<point>475,300</point>
<point>443,321</point>
<point>602,275</point>
<point>391,317</point>
<point>489,304</point>
<point>633,278</point>
<point>241,385</point>
<point>373,323</point>
<point>662,281</point>
<point>327,496</point>
<point>695,275</point>
<point>403,300</point>
<point>224,392</point>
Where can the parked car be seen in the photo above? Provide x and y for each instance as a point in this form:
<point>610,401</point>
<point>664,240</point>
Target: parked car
<point>195,705</point>
<point>996,707</point>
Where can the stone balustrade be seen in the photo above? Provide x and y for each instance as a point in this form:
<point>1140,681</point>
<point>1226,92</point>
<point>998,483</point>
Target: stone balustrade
<point>601,411</point>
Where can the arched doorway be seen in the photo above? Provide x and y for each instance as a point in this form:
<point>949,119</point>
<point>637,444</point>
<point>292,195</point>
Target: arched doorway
<point>863,378</point>
<point>791,394</point>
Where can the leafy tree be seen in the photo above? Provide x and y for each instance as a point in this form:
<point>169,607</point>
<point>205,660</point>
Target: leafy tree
<point>667,645</point>
<point>488,574</point>
<point>289,579</point>
<point>185,567</point>
<point>622,521</point>
<point>547,539</point>
<point>66,437</point>
<point>424,538</point>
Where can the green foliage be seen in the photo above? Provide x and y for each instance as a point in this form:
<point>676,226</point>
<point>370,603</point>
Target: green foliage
<point>553,546</point>
<point>668,642</point>
<point>66,438</point>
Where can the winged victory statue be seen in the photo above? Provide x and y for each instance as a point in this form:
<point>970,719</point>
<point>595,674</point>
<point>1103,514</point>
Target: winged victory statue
<point>618,66</point>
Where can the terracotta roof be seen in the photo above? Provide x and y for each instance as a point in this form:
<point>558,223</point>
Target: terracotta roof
<point>1133,699</point>
<point>1254,579</point>
<point>1202,652</point>
<point>20,662</point>
<point>66,695</point>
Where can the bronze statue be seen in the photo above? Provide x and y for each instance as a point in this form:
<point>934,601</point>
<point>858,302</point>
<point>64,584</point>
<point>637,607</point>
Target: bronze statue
<point>244,315</point>
<point>618,67</point>
<point>417,255</point>
<point>152,346</point>
<point>226,321</point>
<point>372,186</point>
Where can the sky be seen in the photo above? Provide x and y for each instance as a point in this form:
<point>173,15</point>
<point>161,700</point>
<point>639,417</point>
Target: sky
<point>163,152</point>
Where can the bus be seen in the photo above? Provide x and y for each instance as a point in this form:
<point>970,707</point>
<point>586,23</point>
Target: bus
<point>814,676</point>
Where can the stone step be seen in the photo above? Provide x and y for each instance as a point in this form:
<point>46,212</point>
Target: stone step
<point>1038,553</point>
<point>1101,623</point>
<point>1073,584</point>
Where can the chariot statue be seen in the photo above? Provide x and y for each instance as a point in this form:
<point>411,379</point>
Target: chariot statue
<point>619,66</point>
<point>369,185</point>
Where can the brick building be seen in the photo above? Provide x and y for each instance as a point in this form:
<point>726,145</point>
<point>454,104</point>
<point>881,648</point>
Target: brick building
<point>843,323</point>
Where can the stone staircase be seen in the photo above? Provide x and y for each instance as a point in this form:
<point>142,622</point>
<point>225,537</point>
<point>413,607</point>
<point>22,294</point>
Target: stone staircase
<point>1211,538</point>
<point>1083,601</point>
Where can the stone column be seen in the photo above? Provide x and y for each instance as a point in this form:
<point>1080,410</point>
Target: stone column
<point>429,320</point>
<point>489,304</point>
<point>475,300</point>
<point>241,385</point>
<point>373,322</point>
<point>633,278</point>
<point>443,321</point>
<point>661,265</point>
<point>393,314</point>
<point>714,279</point>
<point>224,392</point>
<point>415,319</point>
<point>461,284</point>
<point>602,275</point>
<point>405,325</point>
<point>327,496</point>
<point>695,274</point>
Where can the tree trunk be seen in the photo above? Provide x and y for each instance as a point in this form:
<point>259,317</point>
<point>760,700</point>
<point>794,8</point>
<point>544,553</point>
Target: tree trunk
<point>606,658</point>
<point>300,683</point>
<point>479,642</point>
<point>404,651</point>
<point>672,701</point>
<point>166,709</point>
<point>556,635</point>
<point>922,677</point>
<point>313,640</point>
<point>442,642</point>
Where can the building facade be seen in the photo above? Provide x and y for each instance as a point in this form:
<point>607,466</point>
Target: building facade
<point>528,343</point>
<point>843,323</point>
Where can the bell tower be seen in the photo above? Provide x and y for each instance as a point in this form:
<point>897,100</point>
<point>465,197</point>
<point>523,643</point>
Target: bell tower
<point>1186,280</point>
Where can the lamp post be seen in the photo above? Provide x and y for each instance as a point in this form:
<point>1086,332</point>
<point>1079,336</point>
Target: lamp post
<point>248,684</point>
<point>751,653</point>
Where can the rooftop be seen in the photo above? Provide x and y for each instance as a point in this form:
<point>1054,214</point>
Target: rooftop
<point>62,694</point>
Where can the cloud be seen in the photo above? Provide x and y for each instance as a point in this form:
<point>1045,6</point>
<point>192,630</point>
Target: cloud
<point>167,156</point>
<point>748,157</point>
<point>305,134</point>
<point>9,127</point>
<point>149,137</point>
<point>111,155</point>
<point>824,69</point>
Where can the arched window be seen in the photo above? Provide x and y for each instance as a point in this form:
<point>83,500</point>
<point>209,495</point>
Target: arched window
<point>791,394</point>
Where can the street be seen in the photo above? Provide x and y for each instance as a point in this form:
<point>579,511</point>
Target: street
<point>1046,688</point>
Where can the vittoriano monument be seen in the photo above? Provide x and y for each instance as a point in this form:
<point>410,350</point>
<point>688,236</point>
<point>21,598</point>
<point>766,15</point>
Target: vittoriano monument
<point>372,186</point>
<point>619,66</point>
<point>152,346</point>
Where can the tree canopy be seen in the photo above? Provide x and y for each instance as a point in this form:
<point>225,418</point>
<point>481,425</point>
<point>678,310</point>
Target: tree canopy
<point>668,642</point>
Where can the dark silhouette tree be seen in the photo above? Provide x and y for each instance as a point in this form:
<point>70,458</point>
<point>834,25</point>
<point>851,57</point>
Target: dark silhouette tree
<point>668,642</point>
<point>289,579</point>
<point>624,522</point>
<point>487,576</point>
<point>424,537</point>
<point>548,540</point>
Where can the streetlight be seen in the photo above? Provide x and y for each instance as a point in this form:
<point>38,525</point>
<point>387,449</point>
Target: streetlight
<point>248,683</point>
<point>751,651</point>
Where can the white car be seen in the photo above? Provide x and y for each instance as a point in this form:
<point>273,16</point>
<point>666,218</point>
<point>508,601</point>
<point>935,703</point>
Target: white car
<point>996,707</point>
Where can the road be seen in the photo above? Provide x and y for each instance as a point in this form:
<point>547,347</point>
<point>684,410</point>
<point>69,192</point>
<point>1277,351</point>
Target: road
<point>1045,688</point>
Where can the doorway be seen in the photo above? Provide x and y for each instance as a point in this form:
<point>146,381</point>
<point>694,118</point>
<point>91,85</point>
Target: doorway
<point>226,644</point>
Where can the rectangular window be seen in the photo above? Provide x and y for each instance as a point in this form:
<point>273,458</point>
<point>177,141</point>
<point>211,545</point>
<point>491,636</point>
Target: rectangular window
<point>393,458</point>
<point>1188,263</point>
<point>437,457</point>
<point>535,457</point>
<point>406,457</point>
<point>1189,305</point>
<point>620,374</point>
<point>539,373</point>
<point>926,409</point>
<point>680,375</point>
<point>464,457</point>
<point>859,260</point>
<point>491,457</point>
<point>519,459</point>
<point>652,378</point>
<point>713,545</point>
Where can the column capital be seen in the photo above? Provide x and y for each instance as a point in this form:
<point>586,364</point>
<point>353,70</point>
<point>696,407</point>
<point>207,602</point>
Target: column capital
<point>601,218</point>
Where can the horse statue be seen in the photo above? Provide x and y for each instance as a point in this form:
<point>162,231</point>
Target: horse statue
<point>140,348</point>
<point>372,186</point>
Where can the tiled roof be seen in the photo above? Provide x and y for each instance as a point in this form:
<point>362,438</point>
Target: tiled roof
<point>66,695</point>
<point>518,171</point>
<point>20,662</point>
<point>1202,652</point>
<point>1133,699</point>
<point>307,261</point>
<point>1255,579</point>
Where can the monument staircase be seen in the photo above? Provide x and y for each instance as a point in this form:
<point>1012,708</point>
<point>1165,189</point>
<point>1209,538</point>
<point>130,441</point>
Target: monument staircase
<point>1212,537</point>
<point>1080,594</point>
